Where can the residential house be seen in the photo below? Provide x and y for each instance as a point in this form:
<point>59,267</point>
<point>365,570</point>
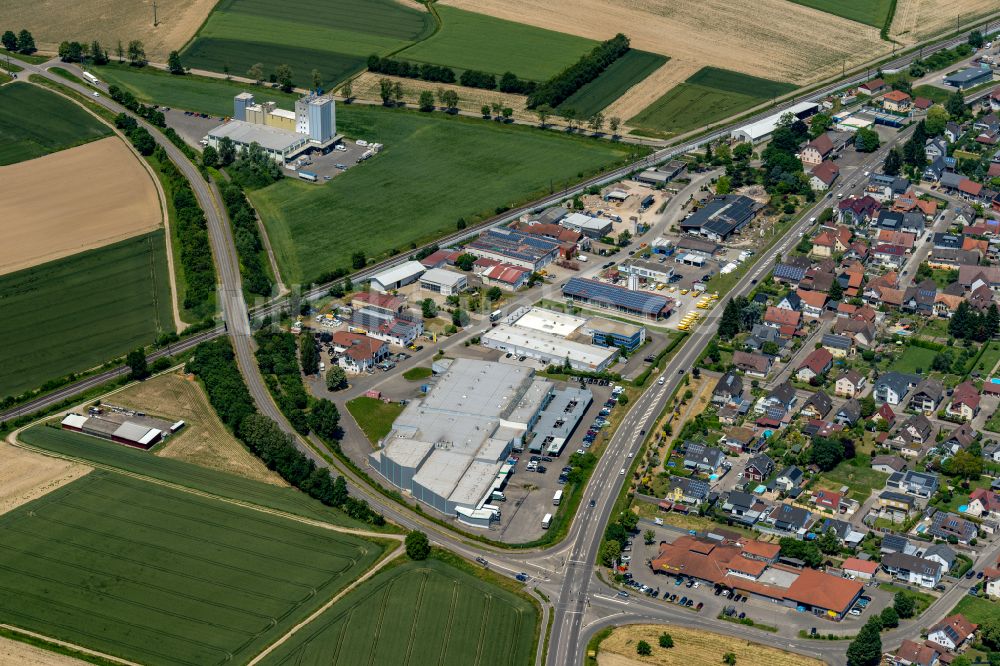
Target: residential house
<point>918,427</point>
<point>822,176</point>
<point>839,346</point>
<point>942,554</point>
<point>790,301</point>
<point>897,101</point>
<point>884,413</point>
<point>873,87</point>
<point>849,413</point>
<point>817,406</point>
<point>912,569</point>
<point>952,632</point>
<point>702,458</point>
<point>813,302</point>
<point>788,518</point>
<point>863,569</point>
<point>896,543</point>
<point>927,396</point>
<point>759,467</point>
<point>829,500</point>
<point>738,440</point>
<point>850,384</point>
<point>689,491</point>
<point>779,318</point>
<point>857,211</point>
<point>357,352</point>
<point>778,402</point>
<point>886,188</point>
<point>754,365</point>
<point>743,507</point>
<point>792,270</point>
<point>895,506</point>
<point>947,525</point>
<point>859,330</point>
<point>919,484</point>
<point>816,150</point>
<point>922,104</point>
<point>958,439</point>
<point>983,503</point>
<point>912,653</point>
<point>948,259</point>
<point>888,464</point>
<point>953,131</point>
<point>830,242</point>
<point>892,387</point>
<point>729,389</point>
<point>818,362</point>
<point>846,532</point>
<point>889,256</point>
<point>935,147</point>
<point>964,402</point>
<point>937,167</point>
<point>791,477</point>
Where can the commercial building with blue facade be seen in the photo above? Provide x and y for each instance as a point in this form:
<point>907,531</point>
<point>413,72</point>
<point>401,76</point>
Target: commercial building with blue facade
<point>618,333</point>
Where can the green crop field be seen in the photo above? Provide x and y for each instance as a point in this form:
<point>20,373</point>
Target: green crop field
<point>334,37</point>
<point>418,613</point>
<point>161,576</point>
<point>36,122</point>
<point>415,191</point>
<point>191,93</point>
<point>188,475</point>
<point>623,73</point>
<point>869,12</point>
<point>75,313</point>
<point>708,96</point>
<point>468,40</point>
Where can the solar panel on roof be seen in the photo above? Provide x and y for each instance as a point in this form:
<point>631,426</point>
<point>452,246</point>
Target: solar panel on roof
<point>600,291</point>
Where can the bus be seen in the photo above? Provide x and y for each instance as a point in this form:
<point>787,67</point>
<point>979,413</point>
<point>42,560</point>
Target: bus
<point>546,521</point>
<point>91,79</point>
<point>495,315</point>
<point>557,497</point>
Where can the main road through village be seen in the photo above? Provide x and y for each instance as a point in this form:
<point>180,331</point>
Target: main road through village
<point>567,568</point>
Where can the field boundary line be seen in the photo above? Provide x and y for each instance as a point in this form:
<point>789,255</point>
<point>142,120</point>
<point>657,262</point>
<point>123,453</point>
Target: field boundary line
<point>67,644</point>
<point>322,609</point>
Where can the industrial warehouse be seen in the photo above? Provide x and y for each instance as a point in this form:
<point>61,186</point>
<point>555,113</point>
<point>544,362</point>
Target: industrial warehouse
<point>633,302</point>
<point>121,426</point>
<point>552,338</point>
<point>281,134</point>
<point>450,448</point>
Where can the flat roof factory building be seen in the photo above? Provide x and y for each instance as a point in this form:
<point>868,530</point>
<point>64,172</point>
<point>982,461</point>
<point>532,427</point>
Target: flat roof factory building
<point>510,246</point>
<point>546,337</point>
<point>613,333</point>
<point>397,276</point>
<point>612,297</point>
<point>141,432</point>
<point>762,129</point>
<point>444,282</point>
<point>721,217</point>
<point>449,449</point>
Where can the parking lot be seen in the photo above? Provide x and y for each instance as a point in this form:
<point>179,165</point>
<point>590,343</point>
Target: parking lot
<point>345,155</point>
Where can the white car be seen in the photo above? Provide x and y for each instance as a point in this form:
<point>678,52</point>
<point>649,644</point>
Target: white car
<point>97,94</point>
<point>621,472</point>
<point>630,454</point>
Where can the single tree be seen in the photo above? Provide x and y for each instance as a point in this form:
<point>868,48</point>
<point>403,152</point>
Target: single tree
<point>324,419</point>
<point>385,91</point>
<point>569,117</point>
<point>210,157</point>
<point>729,659</point>
<point>829,542</point>
<point>543,111</point>
<point>120,52</point>
<point>507,113</point>
<point>309,355</point>
<point>398,93</point>
<point>98,55</point>
<point>866,648</point>
<point>494,294</point>
<point>256,72</point>
<point>336,378</point>
<point>227,151</point>
<point>283,76</point>
<point>614,122</point>
<point>136,53</point>
<point>643,649</point>
<point>648,537</point>
<point>893,163</point>
<point>358,260</point>
<point>225,71</point>
<point>936,120</point>
<point>428,308</point>
<point>666,641</point>
<point>136,362</point>
<point>485,111</point>
<point>9,40</point>
<point>174,63</point>
<point>611,550</point>
<point>317,79</point>
<point>866,140</point>
<point>347,90</point>
<point>426,102</point>
<point>955,105</point>
<point>418,546</point>
<point>596,122</point>
<point>904,605</point>
<point>976,39</point>
<point>890,618</point>
<point>25,42</point>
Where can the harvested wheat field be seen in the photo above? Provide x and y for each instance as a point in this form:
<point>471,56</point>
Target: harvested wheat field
<point>204,440</point>
<point>22,654</point>
<point>644,93</point>
<point>74,200</point>
<point>917,20</point>
<point>366,86</point>
<point>26,476</point>
<point>52,21</point>
<point>772,39</point>
<point>691,648</point>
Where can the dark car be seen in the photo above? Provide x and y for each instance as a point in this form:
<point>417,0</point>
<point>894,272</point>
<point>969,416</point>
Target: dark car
<point>718,591</point>
<point>979,574</point>
<point>699,606</point>
<point>541,469</point>
<point>593,503</point>
<point>523,577</point>
<point>546,459</point>
<point>683,601</point>
<point>482,561</point>
<point>970,574</point>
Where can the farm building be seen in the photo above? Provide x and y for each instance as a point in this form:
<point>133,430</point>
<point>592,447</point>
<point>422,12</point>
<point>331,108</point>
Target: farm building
<point>123,427</point>
<point>721,217</point>
<point>397,276</point>
<point>449,448</point>
<point>444,282</point>
<point>762,129</point>
<point>549,337</point>
<point>516,248</point>
<point>612,297</point>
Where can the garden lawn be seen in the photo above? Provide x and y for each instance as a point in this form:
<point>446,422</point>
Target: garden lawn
<point>623,73</point>
<point>708,96</point>
<point>468,40</point>
<point>36,122</point>
<point>427,612</point>
<point>869,12</point>
<point>333,37</point>
<point>933,93</point>
<point>161,576</point>
<point>913,360</point>
<point>977,609</point>
<point>416,374</point>
<point>855,473</point>
<point>991,355</point>
<point>434,170</point>
<point>373,416</point>
<point>76,313</point>
<point>921,600</point>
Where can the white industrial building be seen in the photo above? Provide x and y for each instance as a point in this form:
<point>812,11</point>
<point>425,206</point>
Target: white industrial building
<point>550,337</point>
<point>397,276</point>
<point>444,282</point>
<point>762,129</point>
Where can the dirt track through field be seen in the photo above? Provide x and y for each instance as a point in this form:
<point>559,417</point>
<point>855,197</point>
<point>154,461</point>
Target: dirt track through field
<point>52,21</point>
<point>644,93</point>
<point>74,200</point>
<point>26,476</point>
<point>774,39</point>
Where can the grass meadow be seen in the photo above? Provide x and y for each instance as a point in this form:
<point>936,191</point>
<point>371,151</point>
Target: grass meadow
<point>375,417</point>
<point>186,474</point>
<point>433,170</point>
<point>160,576</point>
<point>623,73</point>
<point>468,40</point>
<point>75,313</point>
<point>708,96</point>
<point>418,613</point>
<point>36,122</point>
<point>869,12</point>
<point>914,360</point>
<point>334,37</point>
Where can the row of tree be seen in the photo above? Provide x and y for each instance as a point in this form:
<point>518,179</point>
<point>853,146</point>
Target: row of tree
<point>80,52</point>
<point>410,70</point>
<point>561,86</point>
<point>277,356</point>
<point>215,364</point>
<point>152,115</point>
<point>22,42</point>
<point>139,136</point>
<point>247,239</point>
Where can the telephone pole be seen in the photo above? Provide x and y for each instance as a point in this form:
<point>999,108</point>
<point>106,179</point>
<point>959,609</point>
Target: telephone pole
<point>154,14</point>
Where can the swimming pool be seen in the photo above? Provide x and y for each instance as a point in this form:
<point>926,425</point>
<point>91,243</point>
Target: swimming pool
<point>759,489</point>
<point>768,433</point>
<point>713,477</point>
<point>994,380</point>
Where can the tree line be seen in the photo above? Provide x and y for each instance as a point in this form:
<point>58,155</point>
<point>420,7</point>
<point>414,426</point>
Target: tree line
<point>561,86</point>
<point>970,324</point>
<point>247,239</point>
<point>278,360</point>
<point>470,78</point>
<point>128,100</point>
<point>215,364</point>
<point>22,42</point>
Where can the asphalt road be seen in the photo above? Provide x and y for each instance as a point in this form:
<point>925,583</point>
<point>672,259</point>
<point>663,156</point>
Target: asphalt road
<point>579,550</point>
